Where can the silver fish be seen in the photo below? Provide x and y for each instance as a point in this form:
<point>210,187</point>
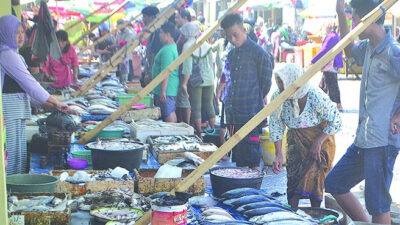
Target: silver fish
<point>218,218</point>
<point>216,211</point>
<point>275,216</point>
<point>291,222</point>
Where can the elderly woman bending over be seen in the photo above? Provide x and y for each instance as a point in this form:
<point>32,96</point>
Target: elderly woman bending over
<point>312,120</point>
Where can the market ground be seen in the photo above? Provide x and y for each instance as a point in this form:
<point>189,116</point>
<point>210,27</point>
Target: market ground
<point>349,88</point>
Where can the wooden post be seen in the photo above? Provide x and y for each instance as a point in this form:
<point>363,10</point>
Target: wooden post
<point>3,191</point>
<point>98,24</point>
<point>155,82</point>
<point>270,108</point>
<point>102,38</point>
<point>130,46</point>
<point>87,16</point>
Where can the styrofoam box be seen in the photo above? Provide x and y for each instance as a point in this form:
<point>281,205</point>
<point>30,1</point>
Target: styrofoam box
<point>142,129</point>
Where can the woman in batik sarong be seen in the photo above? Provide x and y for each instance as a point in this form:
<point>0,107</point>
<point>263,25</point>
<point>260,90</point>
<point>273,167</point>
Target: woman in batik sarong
<point>312,120</point>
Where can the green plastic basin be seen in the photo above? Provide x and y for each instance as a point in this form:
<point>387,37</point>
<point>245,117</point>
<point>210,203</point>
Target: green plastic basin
<point>28,183</point>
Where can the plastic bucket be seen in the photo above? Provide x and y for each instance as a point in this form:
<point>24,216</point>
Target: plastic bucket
<point>269,149</point>
<point>169,215</point>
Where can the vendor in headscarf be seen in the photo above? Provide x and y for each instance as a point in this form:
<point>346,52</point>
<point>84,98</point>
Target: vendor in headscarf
<point>18,87</point>
<point>312,120</point>
<point>105,48</point>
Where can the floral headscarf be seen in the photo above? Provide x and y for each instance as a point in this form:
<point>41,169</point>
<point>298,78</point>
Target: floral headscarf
<point>289,73</point>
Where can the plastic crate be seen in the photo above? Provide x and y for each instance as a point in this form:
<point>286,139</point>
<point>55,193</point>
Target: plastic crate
<point>124,98</point>
<point>141,130</point>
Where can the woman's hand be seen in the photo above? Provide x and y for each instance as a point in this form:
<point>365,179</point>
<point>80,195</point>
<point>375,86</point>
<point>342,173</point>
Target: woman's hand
<point>277,164</point>
<point>316,151</point>
<point>72,112</point>
<point>61,107</point>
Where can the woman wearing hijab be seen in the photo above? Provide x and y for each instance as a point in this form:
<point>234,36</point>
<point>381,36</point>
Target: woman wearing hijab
<point>61,68</point>
<point>201,97</point>
<point>18,87</point>
<point>312,120</point>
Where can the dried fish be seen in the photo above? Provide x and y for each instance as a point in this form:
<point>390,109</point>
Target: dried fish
<point>117,214</point>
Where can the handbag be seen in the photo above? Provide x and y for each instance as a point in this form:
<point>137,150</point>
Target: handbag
<point>196,78</point>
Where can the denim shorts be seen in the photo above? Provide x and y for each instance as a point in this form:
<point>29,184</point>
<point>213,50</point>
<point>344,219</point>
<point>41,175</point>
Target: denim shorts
<point>166,107</point>
<point>375,165</point>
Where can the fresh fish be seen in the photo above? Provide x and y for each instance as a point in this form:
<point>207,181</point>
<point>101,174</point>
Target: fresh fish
<point>193,157</point>
<point>37,208</point>
<point>262,211</point>
<point>275,216</point>
<point>218,218</point>
<point>262,204</point>
<point>78,109</point>
<point>202,201</point>
<point>235,222</point>
<point>246,200</point>
<point>158,195</point>
<point>101,109</point>
<point>240,192</point>
<point>291,222</point>
<point>216,211</point>
<point>61,206</point>
<point>174,139</point>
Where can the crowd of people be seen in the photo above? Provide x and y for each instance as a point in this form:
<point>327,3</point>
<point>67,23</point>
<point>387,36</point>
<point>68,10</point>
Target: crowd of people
<point>234,69</point>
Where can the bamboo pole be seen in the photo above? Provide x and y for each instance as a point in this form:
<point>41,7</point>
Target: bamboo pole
<point>3,191</point>
<point>120,54</point>
<point>87,16</point>
<point>98,24</point>
<point>102,38</point>
<point>155,82</point>
<point>270,108</point>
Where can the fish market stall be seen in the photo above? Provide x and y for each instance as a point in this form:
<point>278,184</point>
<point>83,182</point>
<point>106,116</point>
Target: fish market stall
<point>39,208</point>
<point>81,182</point>
<point>147,183</point>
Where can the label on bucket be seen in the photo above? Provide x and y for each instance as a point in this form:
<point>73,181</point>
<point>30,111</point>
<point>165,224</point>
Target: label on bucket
<point>169,218</point>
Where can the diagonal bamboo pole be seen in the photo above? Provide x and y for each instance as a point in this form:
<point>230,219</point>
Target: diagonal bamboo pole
<point>155,82</point>
<point>102,38</point>
<point>87,16</point>
<point>120,54</point>
<point>270,108</point>
<point>99,23</point>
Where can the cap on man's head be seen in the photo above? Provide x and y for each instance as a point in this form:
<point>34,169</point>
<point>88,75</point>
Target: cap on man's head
<point>150,10</point>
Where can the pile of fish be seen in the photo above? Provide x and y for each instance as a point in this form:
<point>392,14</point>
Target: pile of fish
<point>100,105</point>
<point>37,203</point>
<point>236,173</point>
<point>187,146</point>
<point>260,208</point>
<point>115,145</point>
<point>117,174</point>
<point>148,124</point>
<point>174,139</point>
<point>119,198</point>
<point>117,214</point>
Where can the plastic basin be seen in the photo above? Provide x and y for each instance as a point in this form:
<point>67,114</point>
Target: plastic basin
<point>28,183</point>
<point>77,163</point>
<point>83,154</point>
